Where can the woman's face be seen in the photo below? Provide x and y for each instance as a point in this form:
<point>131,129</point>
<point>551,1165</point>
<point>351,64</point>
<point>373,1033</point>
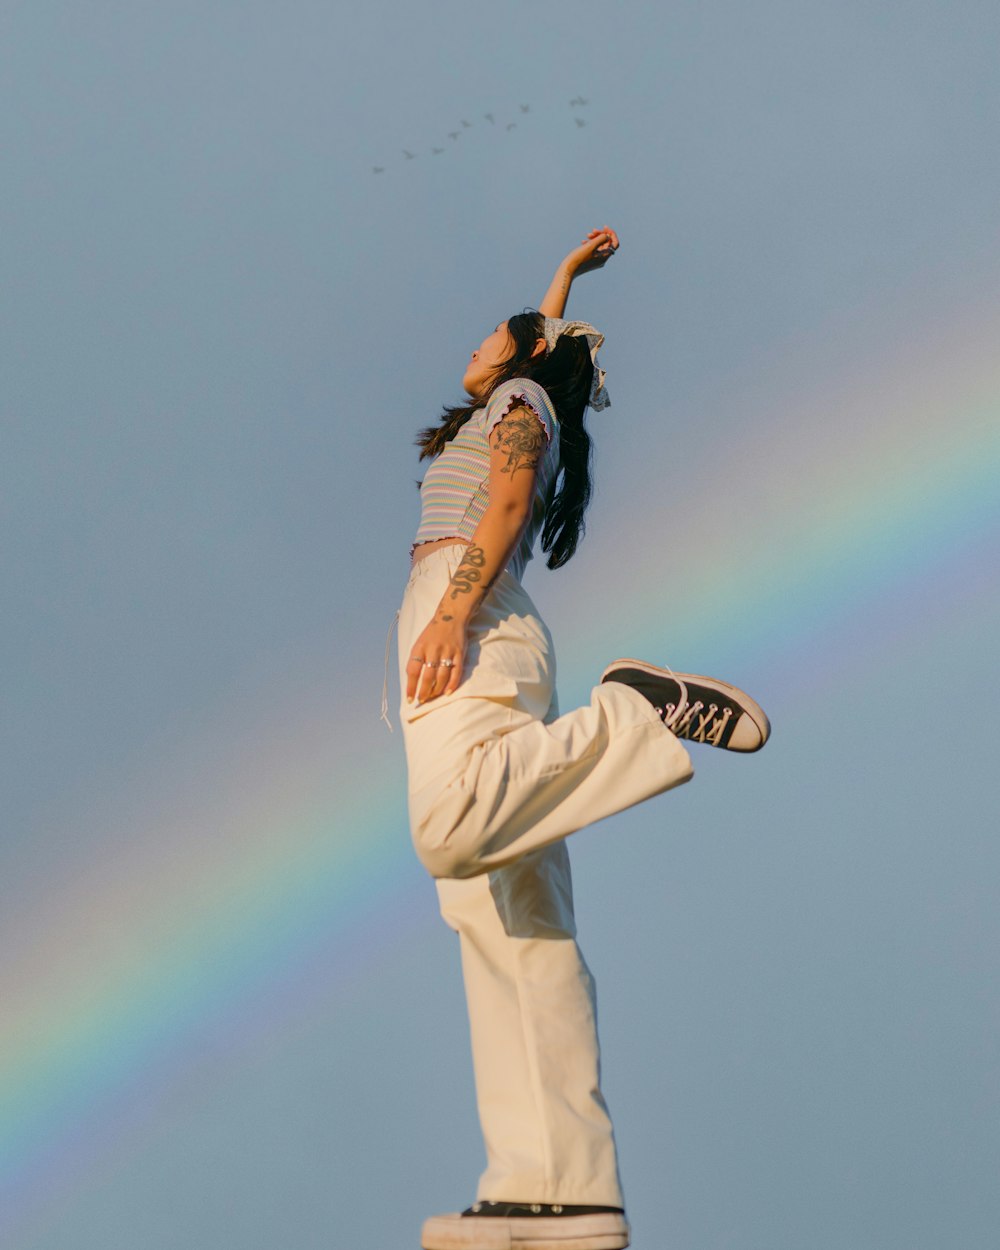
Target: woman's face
<point>491,352</point>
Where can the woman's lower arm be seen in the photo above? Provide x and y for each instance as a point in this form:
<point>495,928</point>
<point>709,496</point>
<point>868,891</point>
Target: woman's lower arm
<point>486,557</point>
<point>435,664</point>
<point>591,254</point>
<point>554,303</point>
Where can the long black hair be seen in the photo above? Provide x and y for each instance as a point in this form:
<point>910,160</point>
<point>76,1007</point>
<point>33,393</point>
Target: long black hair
<point>566,375</point>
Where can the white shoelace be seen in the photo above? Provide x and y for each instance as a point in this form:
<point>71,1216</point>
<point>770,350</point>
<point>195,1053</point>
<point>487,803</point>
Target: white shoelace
<point>679,719</point>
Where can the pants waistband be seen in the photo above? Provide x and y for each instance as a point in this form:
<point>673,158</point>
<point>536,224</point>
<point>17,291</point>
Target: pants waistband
<point>431,562</point>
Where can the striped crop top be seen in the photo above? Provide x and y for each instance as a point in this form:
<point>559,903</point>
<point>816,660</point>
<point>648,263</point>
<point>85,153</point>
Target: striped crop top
<point>455,489</point>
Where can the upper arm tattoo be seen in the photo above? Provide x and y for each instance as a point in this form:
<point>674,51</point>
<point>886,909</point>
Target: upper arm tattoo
<point>521,436</point>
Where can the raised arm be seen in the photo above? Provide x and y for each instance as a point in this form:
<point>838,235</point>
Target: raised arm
<point>592,253</point>
<point>517,444</point>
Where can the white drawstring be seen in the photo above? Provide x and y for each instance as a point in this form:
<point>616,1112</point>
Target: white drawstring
<point>385,674</point>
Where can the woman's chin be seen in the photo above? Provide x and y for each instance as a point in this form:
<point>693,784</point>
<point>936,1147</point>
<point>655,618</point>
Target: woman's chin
<point>472,385</point>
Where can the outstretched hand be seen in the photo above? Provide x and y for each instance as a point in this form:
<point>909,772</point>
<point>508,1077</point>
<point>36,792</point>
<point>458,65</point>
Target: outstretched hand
<point>594,252</point>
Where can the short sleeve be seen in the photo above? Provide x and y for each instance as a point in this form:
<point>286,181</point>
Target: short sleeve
<point>520,392</point>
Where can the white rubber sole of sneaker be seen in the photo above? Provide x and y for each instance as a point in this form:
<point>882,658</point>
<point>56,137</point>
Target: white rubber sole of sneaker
<point>743,739</point>
<point>604,1231</point>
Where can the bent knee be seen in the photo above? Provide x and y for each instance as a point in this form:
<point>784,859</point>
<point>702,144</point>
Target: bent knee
<point>447,859</point>
<point>442,827</point>
<point>453,817</point>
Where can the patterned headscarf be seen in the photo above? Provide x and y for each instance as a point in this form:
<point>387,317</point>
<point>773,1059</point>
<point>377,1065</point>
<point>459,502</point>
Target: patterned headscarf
<point>555,327</point>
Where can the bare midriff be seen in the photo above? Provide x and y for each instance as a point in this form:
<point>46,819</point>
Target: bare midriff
<point>425,549</point>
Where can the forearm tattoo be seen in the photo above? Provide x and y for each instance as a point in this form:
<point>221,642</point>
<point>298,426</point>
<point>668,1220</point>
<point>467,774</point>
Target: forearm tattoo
<point>468,575</point>
<point>522,437</point>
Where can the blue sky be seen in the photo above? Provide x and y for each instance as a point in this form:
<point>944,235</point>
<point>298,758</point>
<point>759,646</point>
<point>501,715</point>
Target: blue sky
<point>221,331</point>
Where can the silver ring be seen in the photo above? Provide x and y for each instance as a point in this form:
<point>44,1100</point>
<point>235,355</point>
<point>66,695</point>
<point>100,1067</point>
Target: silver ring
<point>447,663</point>
<point>431,664</point>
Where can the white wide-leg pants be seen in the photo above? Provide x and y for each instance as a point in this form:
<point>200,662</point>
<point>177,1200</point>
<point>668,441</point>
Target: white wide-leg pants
<point>497,780</point>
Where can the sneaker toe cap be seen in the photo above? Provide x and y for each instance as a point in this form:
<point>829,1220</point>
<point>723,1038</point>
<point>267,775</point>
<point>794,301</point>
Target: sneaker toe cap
<point>748,734</point>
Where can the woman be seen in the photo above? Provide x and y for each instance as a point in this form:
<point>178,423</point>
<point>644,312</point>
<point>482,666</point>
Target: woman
<point>498,779</point>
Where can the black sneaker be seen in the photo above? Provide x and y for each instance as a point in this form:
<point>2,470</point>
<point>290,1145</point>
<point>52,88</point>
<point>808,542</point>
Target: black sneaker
<point>700,709</point>
<point>527,1226</point>
<point>530,1210</point>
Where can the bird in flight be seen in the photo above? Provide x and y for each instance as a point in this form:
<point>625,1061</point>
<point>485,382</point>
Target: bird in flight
<point>454,135</point>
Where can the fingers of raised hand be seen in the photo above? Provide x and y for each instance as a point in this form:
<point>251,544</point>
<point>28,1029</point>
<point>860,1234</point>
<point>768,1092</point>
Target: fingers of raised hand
<point>605,237</point>
<point>597,249</point>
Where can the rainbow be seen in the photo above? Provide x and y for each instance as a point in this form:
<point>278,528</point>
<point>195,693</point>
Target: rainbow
<point>875,494</point>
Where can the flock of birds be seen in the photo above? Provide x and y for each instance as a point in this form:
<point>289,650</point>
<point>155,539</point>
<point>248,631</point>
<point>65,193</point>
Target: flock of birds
<point>455,135</point>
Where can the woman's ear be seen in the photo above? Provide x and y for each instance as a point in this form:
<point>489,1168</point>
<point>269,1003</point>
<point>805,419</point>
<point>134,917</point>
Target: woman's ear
<point>539,349</point>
